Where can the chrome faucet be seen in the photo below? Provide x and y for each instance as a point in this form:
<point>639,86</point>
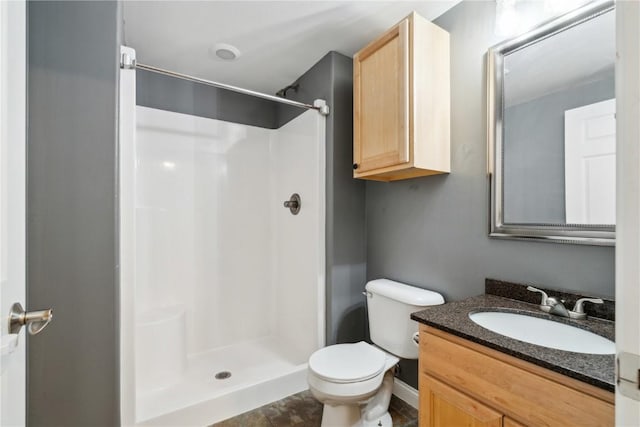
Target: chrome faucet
<point>545,297</point>
<point>578,309</point>
<point>555,306</point>
<point>551,305</point>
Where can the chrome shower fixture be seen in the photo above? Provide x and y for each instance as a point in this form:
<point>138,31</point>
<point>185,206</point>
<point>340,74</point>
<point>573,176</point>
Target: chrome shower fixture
<point>282,93</point>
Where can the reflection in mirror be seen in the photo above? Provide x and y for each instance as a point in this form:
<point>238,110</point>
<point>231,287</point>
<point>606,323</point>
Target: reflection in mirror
<point>559,127</point>
<point>552,130</point>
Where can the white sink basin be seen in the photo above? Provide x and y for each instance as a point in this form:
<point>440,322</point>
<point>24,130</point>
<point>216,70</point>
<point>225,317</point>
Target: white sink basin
<point>543,332</point>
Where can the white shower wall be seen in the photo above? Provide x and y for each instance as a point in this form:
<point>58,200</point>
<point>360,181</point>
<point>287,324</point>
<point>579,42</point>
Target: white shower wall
<point>219,263</point>
<point>299,240</point>
<point>204,225</point>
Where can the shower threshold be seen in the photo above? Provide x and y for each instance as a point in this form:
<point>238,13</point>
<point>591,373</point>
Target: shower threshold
<point>252,374</point>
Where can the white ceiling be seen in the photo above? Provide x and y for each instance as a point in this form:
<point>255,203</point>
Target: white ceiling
<point>586,52</point>
<point>279,40</point>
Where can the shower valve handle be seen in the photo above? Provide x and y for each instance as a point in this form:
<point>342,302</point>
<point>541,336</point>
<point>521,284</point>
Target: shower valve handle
<point>293,204</point>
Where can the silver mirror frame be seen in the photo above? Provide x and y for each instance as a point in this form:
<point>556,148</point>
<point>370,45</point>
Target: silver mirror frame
<point>583,234</point>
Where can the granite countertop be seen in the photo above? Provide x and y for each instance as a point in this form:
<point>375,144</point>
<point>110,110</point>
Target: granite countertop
<point>453,317</point>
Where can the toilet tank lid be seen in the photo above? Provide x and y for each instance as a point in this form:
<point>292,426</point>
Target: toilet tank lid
<point>404,293</point>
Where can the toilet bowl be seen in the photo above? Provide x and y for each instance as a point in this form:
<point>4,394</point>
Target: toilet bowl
<point>355,381</point>
<point>346,376</point>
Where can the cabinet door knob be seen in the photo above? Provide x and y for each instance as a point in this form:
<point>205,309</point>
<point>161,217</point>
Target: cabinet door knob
<point>355,166</point>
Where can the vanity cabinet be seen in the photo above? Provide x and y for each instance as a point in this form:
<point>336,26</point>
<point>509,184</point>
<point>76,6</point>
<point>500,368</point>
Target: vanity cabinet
<point>401,103</point>
<point>464,383</point>
<point>448,407</point>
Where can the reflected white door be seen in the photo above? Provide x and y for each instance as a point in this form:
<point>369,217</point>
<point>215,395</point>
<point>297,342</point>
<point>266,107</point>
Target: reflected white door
<point>628,226</point>
<point>590,163</point>
<point>12,206</point>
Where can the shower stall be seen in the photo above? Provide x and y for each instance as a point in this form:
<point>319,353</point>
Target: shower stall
<point>221,286</point>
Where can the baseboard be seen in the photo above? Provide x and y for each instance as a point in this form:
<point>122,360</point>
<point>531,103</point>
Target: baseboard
<point>405,392</point>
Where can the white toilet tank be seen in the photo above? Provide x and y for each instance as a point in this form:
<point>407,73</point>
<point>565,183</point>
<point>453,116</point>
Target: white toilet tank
<point>389,305</point>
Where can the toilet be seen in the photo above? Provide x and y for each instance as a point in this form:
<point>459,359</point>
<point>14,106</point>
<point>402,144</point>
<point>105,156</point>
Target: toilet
<point>355,381</point>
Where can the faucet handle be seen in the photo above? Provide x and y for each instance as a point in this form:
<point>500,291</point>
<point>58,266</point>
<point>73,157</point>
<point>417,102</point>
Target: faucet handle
<point>578,307</point>
<point>544,294</point>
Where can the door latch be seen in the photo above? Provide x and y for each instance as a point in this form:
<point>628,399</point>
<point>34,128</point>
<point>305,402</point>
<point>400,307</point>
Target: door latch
<point>628,375</point>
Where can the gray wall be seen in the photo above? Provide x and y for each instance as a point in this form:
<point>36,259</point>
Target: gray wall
<point>432,232</point>
<point>331,79</point>
<point>534,152</point>
<point>182,96</point>
<point>72,72</point>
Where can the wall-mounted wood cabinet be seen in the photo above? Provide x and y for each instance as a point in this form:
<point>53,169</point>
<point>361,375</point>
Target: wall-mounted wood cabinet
<point>464,383</point>
<point>401,103</point>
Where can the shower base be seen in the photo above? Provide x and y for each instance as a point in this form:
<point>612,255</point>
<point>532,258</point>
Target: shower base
<point>260,374</point>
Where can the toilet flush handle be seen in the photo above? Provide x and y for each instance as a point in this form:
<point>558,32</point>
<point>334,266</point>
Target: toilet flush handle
<point>416,339</point>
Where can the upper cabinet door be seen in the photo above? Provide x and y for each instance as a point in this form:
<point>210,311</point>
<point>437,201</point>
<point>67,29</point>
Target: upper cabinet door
<point>401,103</point>
<point>381,103</point>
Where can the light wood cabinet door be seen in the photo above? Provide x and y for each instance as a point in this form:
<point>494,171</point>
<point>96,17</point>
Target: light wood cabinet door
<point>381,102</point>
<point>443,406</point>
<point>478,383</point>
<point>401,103</point>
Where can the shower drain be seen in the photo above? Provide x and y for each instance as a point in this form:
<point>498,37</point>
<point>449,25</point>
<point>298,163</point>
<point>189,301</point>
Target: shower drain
<point>223,375</point>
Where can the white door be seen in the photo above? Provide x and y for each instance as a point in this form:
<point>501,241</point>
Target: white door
<point>590,163</point>
<point>12,205</point>
<point>628,207</point>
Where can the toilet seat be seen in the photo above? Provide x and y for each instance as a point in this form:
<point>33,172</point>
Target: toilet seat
<point>347,363</point>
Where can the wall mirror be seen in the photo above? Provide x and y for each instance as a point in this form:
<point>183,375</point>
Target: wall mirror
<point>551,130</point>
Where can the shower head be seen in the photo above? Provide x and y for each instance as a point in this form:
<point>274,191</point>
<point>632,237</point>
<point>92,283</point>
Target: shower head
<point>282,93</point>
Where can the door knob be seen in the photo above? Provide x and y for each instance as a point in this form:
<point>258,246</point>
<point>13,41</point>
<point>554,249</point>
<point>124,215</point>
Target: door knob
<point>36,321</point>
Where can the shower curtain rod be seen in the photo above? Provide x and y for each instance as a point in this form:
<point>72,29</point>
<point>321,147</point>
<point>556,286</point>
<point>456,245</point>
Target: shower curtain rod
<point>322,109</point>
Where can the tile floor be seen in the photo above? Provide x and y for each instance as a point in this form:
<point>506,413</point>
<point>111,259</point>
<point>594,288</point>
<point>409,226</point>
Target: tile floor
<point>304,411</point>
